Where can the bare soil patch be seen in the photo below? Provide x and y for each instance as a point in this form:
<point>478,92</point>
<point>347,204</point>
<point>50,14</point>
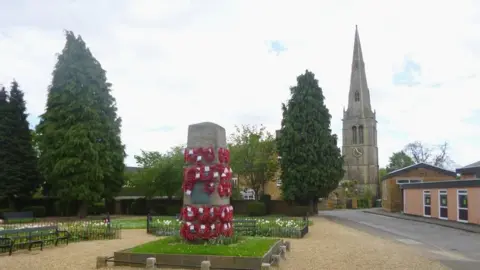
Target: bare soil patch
<point>328,246</point>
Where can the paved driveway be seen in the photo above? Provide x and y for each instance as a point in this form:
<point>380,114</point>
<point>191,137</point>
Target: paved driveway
<point>453,248</point>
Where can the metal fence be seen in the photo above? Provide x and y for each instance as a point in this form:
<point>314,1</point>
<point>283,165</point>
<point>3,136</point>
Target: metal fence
<point>87,230</point>
<point>246,226</point>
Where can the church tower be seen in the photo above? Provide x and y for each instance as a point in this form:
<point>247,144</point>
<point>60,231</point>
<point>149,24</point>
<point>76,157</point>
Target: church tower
<point>360,127</point>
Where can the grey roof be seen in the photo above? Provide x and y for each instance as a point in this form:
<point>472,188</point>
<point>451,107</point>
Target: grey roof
<point>418,166</point>
<point>443,184</point>
<point>473,165</point>
<point>471,168</point>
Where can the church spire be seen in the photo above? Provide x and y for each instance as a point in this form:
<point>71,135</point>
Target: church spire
<point>359,95</point>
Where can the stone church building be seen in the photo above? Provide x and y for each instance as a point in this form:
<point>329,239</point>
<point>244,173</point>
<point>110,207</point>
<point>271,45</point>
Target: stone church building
<point>359,134</point>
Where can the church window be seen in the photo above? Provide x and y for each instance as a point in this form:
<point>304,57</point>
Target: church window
<point>357,96</point>
<point>360,134</point>
<point>354,135</point>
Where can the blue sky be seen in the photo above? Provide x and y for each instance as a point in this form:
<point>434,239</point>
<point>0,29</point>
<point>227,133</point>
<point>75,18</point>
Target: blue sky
<point>174,63</point>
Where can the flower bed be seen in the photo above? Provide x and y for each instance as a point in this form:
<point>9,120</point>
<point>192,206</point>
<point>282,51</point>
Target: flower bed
<point>268,227</point>
<point>78,230</point>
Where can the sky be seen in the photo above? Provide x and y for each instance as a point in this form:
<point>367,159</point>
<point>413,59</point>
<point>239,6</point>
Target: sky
<point>177,62</point>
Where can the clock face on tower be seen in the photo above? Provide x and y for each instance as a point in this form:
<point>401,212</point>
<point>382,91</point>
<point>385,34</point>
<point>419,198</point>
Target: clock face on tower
<point>357,152</point>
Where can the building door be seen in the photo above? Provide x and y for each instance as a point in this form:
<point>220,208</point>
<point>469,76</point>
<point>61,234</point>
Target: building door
<point>427,204</point>
<point>462,209</point>
<point>443,204</point>
<point>403,200</point>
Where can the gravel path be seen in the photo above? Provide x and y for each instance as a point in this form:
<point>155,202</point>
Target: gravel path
<point>327,246</point>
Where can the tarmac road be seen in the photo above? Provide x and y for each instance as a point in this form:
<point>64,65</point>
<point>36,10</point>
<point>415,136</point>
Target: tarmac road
<point>454,248</point>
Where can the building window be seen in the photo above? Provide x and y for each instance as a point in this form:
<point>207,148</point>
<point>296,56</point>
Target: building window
<point>354,135</point>
<point>462,205</point>
<point>427,203</point>
<point>360,134</point>
<point>408,181</point>
<point>357,96</point>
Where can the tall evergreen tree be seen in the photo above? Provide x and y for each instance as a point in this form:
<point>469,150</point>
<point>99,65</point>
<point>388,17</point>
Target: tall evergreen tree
<point>23,155</point>
<point>5,142</point>
<point>311,162</point>
<point>18,162</point>
<point>81,153</point>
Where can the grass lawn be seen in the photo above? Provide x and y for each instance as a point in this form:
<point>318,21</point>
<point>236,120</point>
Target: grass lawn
<point>245,247</point>
<point>132,223</point>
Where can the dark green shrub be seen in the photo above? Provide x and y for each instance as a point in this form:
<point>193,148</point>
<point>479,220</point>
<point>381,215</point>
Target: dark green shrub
<point>298,210</point>
<point>173,210</point>
<point>159,210</point>
<point>256,209</point>
<point>363,203</point>
<point>5,211</point>
<point>61,208</point>
<point>38,211</point>
<point>266,199</point>
<point>97,209</point>
<point>138,207</point>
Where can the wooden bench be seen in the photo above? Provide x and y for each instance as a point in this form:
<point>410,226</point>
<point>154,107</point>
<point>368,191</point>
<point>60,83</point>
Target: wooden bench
<point>11,216</point>
<point>245,226</point>
<point>31,236</point>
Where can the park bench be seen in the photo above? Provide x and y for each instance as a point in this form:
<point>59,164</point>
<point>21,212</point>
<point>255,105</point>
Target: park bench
<point>31,236</point>
<point>12,216</point>
<point>245,226</point>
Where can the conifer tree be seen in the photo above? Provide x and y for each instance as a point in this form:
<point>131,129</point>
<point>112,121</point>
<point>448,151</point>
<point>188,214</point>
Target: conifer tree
<point>81,153</point>
<point>19,174</point>
<point>311,162</point>
<point>23,154</point>
<point>5,141</point>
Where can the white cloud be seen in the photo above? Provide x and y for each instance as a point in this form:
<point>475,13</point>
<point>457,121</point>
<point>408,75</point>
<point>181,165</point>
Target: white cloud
<point>174,63</point>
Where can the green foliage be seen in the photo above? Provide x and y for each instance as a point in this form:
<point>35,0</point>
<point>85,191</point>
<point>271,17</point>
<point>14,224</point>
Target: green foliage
<point>253,156</point>
<point>363,203</point>
<point>223,240</point>
<point>368,193</point>
<point>311,163</point>
<point>161,174</point>
<point>399,160</point>
<point>97,209</point>
<point>236,195</point>
<point>19,175</point>
<point>173,210</point>
<point>5,141</point>
<point>256,209</point>
<point>381,173</point>
<point>349,188</point>
<point>81,153</point>
<point>38,210</point>
<point>148,159</point>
